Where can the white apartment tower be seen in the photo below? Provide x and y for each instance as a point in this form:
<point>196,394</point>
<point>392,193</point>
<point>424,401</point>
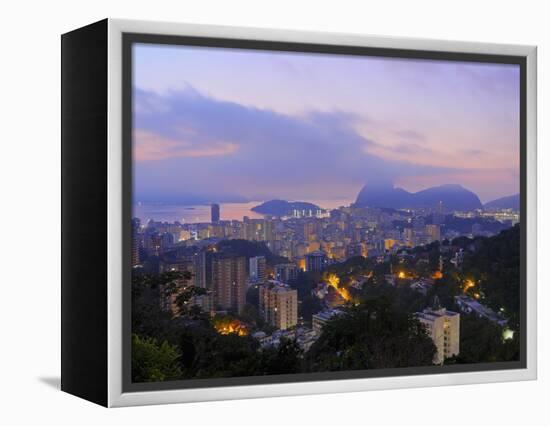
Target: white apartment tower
<point>443,327</point>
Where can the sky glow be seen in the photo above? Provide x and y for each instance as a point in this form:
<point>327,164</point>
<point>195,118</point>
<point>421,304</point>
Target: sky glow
<point>221,125</point>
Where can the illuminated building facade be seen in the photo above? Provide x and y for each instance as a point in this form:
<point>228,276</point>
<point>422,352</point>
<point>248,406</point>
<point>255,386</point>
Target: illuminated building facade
<point>408,236</point>
<point>433,232</point>
<point>279,304</point>
<point>443,326</point>
<point>229,282</point>
<point>389,243</point>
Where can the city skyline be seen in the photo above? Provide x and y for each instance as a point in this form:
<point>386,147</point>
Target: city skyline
<point>227,125</point>
<point>305,213</point>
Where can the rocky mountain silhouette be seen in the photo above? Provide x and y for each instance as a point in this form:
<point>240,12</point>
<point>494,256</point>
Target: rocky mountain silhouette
<point>454,197</point>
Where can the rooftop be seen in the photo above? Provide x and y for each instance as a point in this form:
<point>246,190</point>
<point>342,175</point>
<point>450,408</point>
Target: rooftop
<point>431,314</point>
<point>327,314</point>
<point>480,309</point>
<point>277,286</point>
<point>316,253</point>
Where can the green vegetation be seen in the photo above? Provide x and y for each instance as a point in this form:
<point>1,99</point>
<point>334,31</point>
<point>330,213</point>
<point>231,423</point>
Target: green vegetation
<point>153,362</point>
<point>495,265</point>
<point>482,341</point>
<point>378,328</point>
<point>464,225</point>
<point>491,264</point>
<point>250,249</point>
<point>371,335</point>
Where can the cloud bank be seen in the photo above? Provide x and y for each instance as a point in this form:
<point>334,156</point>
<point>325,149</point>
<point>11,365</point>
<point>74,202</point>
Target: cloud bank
<point>189,147</point>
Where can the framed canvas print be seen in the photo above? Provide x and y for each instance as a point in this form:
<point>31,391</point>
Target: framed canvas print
<point>254,213</point>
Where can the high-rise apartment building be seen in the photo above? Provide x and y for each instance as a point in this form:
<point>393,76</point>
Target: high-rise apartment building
<point>257,269</point>
<point>199,260</point>
<point>152,242</point>
<point>253,230</point>
<point>215,213</point>
<point>356,249</point>
<point>438,216</point>
<point>389,243</point>
<point>316,261</point>
<point>268,232</point>
<point>195,265</point>
<point>433,232</point>
<point>229,282</point>
<point>310,230</point>
<point>408,236</point>
<point>443,327</point>
<point>279,304</point>
<point>135,242</point>
<point>286,272</point>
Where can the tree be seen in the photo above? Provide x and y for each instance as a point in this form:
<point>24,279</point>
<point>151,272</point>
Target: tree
<point>402,296</point>
<point>250,249</point>
<point>309,305</point>
<point>285,359</point>
<point>482,341</point>
<point>215,355</point>
<point>371,335</point>
<point>494,265</point>
<point>251,316</point>
<point>185,294</point>
<point>304,283</point>
<point>152,362</point>
<point>148,319</point>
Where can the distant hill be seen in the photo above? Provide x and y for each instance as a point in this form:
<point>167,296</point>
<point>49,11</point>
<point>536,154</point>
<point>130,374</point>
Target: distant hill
<point>250,249</point>
<point>510,202</point>
<point>453,197</point>
<point>283,208</point>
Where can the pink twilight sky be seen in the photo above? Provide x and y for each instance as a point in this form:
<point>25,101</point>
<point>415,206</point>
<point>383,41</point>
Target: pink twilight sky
<point>215,124</point>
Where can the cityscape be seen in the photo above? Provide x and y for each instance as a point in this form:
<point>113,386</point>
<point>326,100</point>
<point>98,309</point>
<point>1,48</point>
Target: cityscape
<point>358,246</point>
<point>283,278</point>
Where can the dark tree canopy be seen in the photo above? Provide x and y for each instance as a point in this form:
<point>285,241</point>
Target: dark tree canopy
<point>250,249</point>
<point>154,362</point>
<point>378,328</point>
<point>371,335</point>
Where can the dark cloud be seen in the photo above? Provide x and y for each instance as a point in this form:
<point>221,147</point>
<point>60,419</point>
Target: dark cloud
<point>224,149</point>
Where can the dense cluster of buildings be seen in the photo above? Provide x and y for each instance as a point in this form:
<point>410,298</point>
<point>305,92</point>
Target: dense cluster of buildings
<point>312,242</point>
<point>309,242</point>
